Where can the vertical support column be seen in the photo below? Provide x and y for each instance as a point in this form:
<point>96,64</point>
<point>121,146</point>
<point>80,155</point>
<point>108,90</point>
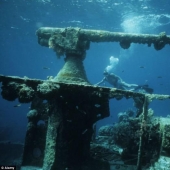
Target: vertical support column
<point>143,123</point>
<point>33,154</point>
<point>51,138</point>
<point>70,128</point>
<point>165,136</point>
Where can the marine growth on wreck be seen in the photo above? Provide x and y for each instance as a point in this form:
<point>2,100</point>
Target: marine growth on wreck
<point>61,131</point>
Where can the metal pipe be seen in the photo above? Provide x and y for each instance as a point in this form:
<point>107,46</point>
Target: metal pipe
<point>125,39</point>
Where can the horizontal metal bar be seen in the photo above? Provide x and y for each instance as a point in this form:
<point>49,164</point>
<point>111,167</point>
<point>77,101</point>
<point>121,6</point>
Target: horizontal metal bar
<point>125,39</point>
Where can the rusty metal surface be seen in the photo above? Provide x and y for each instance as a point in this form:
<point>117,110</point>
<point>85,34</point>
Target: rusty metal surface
<point>125,39</point>
<point>90,89</point>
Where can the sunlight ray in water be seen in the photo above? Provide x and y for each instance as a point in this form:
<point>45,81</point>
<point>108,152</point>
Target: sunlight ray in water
<point>134,23</point>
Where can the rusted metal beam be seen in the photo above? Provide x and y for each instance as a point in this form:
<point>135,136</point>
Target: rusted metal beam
<point>125,39</point>
<point>47,88</point>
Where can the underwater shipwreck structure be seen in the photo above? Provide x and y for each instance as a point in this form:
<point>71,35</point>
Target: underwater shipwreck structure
<point>65,108</point>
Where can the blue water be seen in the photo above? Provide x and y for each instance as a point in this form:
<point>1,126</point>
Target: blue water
<point>21,55</point>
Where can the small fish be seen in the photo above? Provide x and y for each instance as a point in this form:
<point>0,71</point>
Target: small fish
<point>99,115</point>
<point>46,68</point>
<point>74,21</point>
<point>97,105</point>
<point>84,131</point>
<point>122,71</point>
<point>141,67</point>
<point>159,77</point>
<point>18,105</point>
<point>14,28</point>
<point>25,19</point>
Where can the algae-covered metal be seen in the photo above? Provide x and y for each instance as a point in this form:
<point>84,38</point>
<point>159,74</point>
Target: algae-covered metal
<point>66,40</point>
<point>65,108</point>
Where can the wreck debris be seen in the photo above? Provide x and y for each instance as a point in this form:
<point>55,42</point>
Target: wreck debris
<point>68,105</point>
<point>118,144</point>
<point>60,93</point>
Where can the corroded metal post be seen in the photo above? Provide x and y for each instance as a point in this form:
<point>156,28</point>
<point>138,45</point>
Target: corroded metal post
<point>73,113</point>
<point>142,131</point>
